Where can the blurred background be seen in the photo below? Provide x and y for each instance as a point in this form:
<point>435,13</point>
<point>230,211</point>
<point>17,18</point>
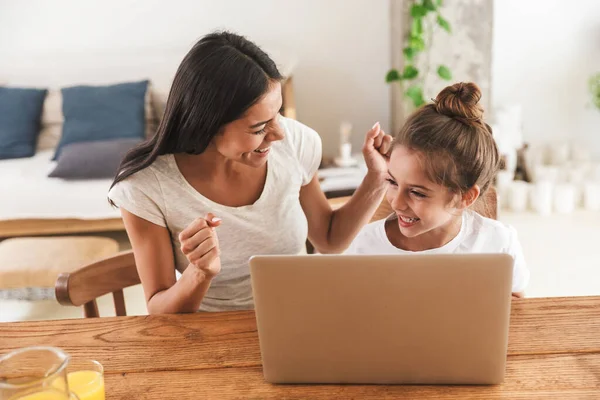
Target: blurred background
<point>349,64</point>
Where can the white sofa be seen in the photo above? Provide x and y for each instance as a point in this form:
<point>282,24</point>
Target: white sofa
<point>35,204</point>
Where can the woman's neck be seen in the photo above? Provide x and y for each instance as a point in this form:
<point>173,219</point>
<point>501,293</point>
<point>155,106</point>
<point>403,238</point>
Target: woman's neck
<point>210,165</point>
<point>432,239</point>
<point>226,182</point>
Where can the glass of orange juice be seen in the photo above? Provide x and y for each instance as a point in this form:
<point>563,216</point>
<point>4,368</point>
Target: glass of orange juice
<point>86,379</point>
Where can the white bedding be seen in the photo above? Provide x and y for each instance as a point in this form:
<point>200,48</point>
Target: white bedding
<point>27,192</point>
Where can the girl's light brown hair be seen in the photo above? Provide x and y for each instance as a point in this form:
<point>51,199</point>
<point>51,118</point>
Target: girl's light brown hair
<point>456,144</point>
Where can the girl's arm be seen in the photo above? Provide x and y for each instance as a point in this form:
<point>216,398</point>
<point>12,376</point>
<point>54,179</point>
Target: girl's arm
<point>520,271</point>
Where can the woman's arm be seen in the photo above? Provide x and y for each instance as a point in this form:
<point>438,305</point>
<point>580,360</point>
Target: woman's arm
<point>332,231</point>
<point>155,263</point>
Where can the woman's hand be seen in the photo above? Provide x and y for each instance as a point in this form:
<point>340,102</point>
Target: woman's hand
<point>200,245</point>
<point>376,148</point>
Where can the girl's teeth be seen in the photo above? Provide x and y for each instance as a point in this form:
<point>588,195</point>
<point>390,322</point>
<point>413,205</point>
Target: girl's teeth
<point>409,220</point>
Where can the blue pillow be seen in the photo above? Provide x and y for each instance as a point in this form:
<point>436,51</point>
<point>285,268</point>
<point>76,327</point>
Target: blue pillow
<point>92,160</point>
<point>94,113</point>
<point>20,115</point>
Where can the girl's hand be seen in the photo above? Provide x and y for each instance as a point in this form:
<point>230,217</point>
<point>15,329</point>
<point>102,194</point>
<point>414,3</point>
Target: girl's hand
<point>376,149</point>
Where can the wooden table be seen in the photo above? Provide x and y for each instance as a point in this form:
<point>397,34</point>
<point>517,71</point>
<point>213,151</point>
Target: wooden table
<point>554,352</point>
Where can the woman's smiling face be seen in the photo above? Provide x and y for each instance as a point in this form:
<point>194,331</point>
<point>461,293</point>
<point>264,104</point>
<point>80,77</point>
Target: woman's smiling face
<point>248,139</point>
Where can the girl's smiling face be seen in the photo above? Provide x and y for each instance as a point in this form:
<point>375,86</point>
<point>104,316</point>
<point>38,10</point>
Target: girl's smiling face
<point>421,205</point>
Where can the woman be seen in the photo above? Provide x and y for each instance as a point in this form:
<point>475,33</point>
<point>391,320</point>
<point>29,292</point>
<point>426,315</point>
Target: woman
<point>223,150</point>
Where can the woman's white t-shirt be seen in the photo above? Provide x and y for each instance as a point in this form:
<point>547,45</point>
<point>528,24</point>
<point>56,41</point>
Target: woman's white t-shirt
<point>274,224</point>
<point>477,235</point>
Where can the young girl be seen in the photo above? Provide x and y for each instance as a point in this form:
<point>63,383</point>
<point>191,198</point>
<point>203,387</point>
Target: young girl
<point>441,161</point>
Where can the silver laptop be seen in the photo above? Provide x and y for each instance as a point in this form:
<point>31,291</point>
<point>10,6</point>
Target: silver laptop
<point>413,319</point>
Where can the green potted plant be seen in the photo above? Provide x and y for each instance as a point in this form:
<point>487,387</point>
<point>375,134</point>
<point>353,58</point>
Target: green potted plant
<point>425,15</point>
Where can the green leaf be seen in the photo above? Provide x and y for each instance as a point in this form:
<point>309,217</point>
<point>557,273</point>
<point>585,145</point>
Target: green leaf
<point>417,27</point>
<point>417,11</point>
<point>410,72</point>
<point>417,43</point>
<point>443,23</point>
<point>594,87</point>
<point>444,72</point>
<point>415,93</point>
<point>439,3</point>
<point>429,5</point>
<point>392,76</point>
<point>409,53</point>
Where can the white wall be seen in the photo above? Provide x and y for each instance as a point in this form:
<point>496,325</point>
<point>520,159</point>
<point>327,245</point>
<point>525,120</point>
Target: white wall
<point>341,46</point>
<point>543,55</point>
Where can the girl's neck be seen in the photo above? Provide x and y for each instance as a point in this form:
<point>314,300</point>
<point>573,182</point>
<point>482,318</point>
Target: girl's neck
<point>432,239</point>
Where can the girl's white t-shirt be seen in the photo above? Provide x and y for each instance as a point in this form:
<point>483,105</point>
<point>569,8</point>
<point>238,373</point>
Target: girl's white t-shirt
<point>477,235</point>
<point>274,224</point>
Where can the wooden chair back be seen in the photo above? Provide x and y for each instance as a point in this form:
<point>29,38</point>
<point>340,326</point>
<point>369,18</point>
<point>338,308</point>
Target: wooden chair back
<point>110,275</point>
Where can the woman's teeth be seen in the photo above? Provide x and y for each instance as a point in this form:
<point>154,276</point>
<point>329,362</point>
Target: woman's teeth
<point>409,220</point>
<point>262,150</point>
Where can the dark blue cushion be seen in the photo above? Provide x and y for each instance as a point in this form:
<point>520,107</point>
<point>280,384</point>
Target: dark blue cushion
<point>92,160</point>
<point>94,113</point>
<point>20,115</point>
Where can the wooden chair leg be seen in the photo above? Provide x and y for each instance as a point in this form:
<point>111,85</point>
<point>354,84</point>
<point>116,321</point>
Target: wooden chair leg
<point>90,309</point>
<point>310,249</point>
<point>119,303</point>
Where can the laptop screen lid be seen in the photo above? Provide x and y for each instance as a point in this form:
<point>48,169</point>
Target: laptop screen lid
<point>383,319</point>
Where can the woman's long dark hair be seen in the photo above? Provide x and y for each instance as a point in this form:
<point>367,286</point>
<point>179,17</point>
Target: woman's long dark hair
<point>222,76</point>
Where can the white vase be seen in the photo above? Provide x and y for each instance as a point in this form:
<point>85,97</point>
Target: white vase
<point>541,197</point>
<point>591,196</point>
<point>564,198</point>
<point>535,157</point>
<point>548,173</point>
<point>577,173</point>
<point>518,196</point>
<point>346,151</point>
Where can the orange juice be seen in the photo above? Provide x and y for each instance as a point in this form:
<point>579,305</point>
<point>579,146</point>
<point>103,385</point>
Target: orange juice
<point>87,385</point>
<point>46,395</point>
